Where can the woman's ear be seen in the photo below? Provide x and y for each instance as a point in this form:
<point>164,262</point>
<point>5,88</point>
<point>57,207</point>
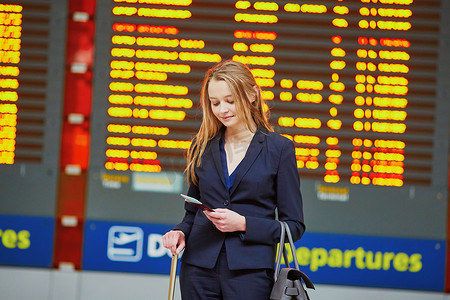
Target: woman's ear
<point>253,96</point>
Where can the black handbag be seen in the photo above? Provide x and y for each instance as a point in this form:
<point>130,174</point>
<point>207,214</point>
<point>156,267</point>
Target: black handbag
<point>288,281</point>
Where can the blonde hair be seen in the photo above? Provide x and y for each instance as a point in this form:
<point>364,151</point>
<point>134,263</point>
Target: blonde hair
<point>244,89</point>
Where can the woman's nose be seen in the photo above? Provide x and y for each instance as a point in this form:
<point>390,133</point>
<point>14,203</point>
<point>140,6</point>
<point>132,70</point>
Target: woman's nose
<point>223,108</point>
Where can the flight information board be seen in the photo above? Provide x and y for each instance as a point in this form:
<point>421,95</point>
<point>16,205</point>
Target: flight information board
<point>353,83</point>
<point>31,84</point>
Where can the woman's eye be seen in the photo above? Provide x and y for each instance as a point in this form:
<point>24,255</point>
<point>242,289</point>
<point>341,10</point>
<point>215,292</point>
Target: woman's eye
<point>215,103</point>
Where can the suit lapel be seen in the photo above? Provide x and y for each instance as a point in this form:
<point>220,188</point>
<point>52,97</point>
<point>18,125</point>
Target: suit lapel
<point>253,151</point>
<point>215,152</point>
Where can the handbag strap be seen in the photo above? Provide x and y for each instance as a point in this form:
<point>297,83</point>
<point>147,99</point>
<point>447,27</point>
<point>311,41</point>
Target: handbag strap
<point>281,251</point>
<point>291,243</point>
<point>285,231</point>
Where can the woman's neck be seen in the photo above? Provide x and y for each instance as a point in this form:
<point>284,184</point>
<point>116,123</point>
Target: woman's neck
<point>239,135</point>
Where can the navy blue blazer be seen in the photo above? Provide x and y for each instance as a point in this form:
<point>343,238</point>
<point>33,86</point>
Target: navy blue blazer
<point>267,179</point>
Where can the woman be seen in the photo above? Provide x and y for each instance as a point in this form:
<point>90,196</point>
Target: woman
<point>241,168</point>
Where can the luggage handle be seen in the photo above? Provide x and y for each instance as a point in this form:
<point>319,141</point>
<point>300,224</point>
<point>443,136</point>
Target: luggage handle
<point>173,276</point>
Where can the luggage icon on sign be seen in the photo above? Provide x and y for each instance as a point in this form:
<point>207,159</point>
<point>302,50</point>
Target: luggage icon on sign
<point>125,243</point>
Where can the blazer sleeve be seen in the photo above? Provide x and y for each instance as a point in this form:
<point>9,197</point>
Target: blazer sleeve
<point>288,200</point>
<point>289,197</point>
<point>190,210</point>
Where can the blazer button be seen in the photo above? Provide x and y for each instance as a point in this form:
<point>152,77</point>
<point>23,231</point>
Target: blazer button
<point>226,202</point>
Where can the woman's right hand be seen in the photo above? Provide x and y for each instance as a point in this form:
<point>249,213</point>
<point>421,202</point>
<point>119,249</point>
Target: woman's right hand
<point>174,240</point>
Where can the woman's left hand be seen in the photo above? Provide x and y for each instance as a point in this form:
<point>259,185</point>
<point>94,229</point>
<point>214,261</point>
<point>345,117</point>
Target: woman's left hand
<point>226,220</point>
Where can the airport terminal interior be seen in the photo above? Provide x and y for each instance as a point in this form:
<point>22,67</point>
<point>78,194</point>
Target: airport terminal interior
<point>100,102</point>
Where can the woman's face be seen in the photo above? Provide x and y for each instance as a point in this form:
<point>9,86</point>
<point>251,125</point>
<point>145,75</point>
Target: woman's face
<point>222,104</point>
